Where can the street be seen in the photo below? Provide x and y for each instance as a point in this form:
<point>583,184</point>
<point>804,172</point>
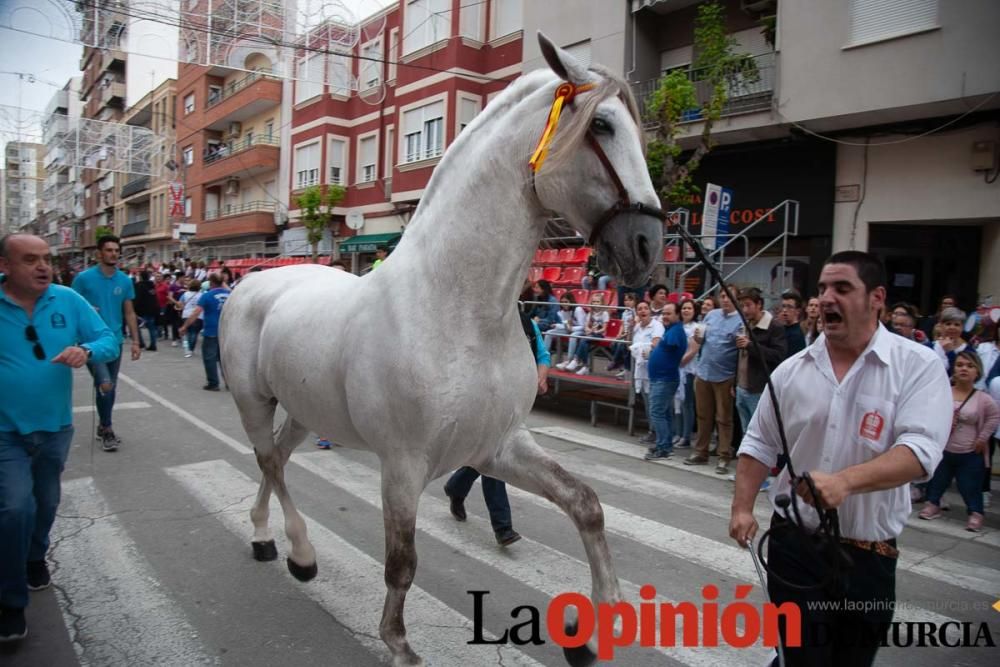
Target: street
<point>152,564</point>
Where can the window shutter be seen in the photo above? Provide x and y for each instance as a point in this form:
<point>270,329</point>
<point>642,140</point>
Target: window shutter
<point>580,51</point>
<point>872,20</point>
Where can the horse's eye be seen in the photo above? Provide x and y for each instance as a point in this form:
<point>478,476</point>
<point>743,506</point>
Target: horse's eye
<point>601,126</point>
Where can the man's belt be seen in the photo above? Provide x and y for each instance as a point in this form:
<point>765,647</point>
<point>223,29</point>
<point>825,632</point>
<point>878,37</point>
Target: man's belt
<point>885,548</point>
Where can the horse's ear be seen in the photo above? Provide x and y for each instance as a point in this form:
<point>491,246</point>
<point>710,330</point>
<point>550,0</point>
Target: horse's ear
<point>562,63</point>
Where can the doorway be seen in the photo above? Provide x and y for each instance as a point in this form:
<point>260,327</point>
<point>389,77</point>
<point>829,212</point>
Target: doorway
<point>924,262</point>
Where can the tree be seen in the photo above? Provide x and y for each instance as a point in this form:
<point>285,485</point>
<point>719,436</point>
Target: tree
<point>317,211</point>
<point>700,94</point>
<point>103,230</point>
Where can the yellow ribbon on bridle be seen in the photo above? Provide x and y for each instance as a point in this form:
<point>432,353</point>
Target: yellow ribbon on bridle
<point>564,95</point>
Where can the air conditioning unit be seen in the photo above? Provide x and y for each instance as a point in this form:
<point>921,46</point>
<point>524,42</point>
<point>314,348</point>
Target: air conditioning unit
<point>235,129</point>
<point>232,186</point>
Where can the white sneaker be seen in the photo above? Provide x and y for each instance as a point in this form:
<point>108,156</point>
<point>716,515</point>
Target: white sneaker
<point>677,439</point>
<point>174,343</point>
<point>583,371</point>
<point>188,354</point>
<point>562,366</point>
<point>572,365</point>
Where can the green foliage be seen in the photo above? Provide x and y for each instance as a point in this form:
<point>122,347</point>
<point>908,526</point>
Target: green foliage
<point>101,231</point>
<point>317,211</point>
<point>699,94</point>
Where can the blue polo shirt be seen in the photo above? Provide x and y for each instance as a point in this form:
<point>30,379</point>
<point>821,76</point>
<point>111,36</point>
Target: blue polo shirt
<point>718,351</point>
<point>37,394</point>
<point>665,360</point>
<point>107,295</point>
<point>211,303</point>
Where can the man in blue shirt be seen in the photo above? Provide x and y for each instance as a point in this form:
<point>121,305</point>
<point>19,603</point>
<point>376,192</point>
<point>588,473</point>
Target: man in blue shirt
<point>664,376</point>
<point>714,382</point>
<point>111,293</point>
<point>45,330</point>
<point>210,303</point>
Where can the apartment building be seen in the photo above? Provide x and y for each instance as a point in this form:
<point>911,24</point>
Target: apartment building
<point>24,184</point>
<point>142,214</point>
<point>379,120</point>
<point>59,196</point>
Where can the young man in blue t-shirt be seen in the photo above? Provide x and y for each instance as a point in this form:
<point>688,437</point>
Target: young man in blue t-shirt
<point>664,377</point>
<point>210,303</point>
<point>111,293</point>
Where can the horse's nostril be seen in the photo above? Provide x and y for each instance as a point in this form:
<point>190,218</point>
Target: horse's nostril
<point>642,249</point>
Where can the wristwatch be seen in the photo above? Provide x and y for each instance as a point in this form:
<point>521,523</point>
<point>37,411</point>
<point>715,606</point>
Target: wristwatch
<point>87,351</point>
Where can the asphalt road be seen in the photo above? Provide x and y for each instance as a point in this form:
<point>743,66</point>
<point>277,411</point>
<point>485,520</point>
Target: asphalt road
<point>152,564</point>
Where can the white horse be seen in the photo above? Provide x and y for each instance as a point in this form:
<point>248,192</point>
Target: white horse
<point>382,363</point>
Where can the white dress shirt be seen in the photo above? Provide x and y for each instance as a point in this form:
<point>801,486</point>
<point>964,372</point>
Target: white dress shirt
<point>895,394</point>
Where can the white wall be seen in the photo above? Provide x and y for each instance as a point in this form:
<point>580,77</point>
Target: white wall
<point>152,57</point>
<point>568,22</point>
<point>925,180</point>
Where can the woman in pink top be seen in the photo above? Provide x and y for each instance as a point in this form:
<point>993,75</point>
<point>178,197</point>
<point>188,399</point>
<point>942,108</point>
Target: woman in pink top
<point>976,418</point>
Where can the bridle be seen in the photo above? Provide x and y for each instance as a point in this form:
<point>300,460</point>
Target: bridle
<point>565,94</point>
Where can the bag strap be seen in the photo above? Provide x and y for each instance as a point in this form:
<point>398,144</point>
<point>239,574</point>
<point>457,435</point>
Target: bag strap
<point>954,417</point>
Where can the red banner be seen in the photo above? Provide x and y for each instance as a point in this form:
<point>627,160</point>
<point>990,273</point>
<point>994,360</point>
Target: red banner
<point>176,200</point>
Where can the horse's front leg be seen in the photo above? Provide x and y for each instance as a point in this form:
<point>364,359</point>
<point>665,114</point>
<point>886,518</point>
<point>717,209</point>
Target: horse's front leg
<point>524,464</point>
<point>402,483</point>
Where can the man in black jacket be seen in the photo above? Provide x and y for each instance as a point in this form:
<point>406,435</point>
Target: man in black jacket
<point>751,376</point>
<point>147,308</point>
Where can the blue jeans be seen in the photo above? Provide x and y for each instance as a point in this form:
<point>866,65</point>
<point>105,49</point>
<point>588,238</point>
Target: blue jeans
<point>192,335</point>
<point>688,414</point>
<point>30,467</point>
<point>661,412</point>
<point>105,373</point>
<point>968,470</point>
<point>746,405</point>
<point>151,327</point>
<point>494,492</point>
<point>210,357</point>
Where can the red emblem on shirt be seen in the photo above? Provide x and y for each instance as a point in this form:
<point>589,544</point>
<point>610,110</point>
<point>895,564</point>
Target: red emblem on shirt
<point>871,425</point>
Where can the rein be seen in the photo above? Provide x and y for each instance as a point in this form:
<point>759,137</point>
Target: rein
<point>825,542</point>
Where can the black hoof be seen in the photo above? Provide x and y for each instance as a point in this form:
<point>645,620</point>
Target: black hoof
<point>302,573</point>
<point>579,656</point>
<point>264,551</point>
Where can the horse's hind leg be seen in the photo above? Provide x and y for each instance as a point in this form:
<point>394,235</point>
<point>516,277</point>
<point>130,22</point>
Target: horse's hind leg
<point>524,464</point>
<point>402,484</point>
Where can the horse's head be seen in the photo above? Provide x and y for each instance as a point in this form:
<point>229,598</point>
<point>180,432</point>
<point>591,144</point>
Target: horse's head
<point>596,176</point>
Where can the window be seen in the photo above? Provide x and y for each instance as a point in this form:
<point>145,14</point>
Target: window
<point>86,192</point>
<point>581,51</point>
<point>189,103</point>
<point>306,165</point>
<point>335,158</point>
<point>390,141</point>
<point>269,128</point>
<point>393,55</point>
<point>367,160</point>
<point>426,22</point>
<point>340,75</point>
<point>423,132</point>
<point>189,155</point>
<point>187,207</point>
<point>470,22</point>
<point>371,64</point>
<point>309,77</point>
<point>467,110</point>
<point>507,17</point>
<point>874,20</point>
<point>214,94</point>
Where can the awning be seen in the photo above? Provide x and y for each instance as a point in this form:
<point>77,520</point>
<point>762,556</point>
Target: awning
<point>370,242</point>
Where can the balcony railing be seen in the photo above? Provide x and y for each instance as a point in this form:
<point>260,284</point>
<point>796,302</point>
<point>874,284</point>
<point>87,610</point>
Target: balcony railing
<point>238,85</point>
<point>135,227</point>
<point>245,144</point>
<point>241,209</point>
<point>748,87</point>
<point>135,186</point>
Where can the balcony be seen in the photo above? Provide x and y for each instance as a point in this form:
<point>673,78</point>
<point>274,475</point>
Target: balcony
<point>247,156</point>
<point>256,217</point>
<point>136,227</point>
<point>112,58</point>
<point>135,186</point>
<point>113,94</point>
<point>750,88</point>
<point>242,99</point>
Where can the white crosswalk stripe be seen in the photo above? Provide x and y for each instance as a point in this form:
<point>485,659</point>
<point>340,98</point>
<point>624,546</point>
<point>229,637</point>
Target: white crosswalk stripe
<point>987,536</point>
<point>350,583</point>
<point>112,605</point>
<point>537,565</point>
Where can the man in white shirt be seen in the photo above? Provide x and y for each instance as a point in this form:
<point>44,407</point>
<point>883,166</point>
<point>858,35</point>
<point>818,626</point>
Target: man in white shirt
<point>866,412</point>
